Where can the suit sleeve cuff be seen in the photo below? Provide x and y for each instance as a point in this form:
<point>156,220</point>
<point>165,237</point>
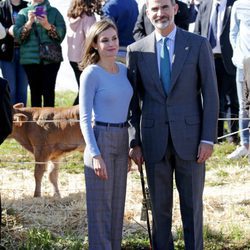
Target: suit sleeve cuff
<point>207,142</point>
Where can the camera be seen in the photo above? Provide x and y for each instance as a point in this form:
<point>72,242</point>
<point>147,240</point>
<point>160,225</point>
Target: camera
<point>40,11</point>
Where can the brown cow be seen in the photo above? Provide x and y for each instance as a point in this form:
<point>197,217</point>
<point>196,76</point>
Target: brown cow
<point>47,133</point>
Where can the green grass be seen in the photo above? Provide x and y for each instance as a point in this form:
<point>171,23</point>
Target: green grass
<point>213,240</point>
<point>44,240</point>
<point>219,157</point>
<point>229,237</point>
<point>62,98</point>
<point>65,98</point>
<point>220,172</point>
<point>73,162</point>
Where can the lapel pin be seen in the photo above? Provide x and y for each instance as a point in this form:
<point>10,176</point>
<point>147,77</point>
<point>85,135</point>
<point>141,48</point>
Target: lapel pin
<point>173,58</point>
<point>187,48</point>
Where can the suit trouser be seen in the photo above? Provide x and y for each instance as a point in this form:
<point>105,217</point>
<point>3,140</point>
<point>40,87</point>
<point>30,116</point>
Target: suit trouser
<point>228,97</point>
<point>106,198</point>
<point>189,177</point>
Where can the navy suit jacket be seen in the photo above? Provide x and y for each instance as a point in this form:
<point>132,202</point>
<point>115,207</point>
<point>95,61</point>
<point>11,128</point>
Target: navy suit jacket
<point>189,112</point>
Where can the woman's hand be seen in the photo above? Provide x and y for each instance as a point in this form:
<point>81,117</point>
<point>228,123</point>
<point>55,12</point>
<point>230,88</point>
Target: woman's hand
<point>43,20</point>
<point>100,167</point>
<point>31,19</point>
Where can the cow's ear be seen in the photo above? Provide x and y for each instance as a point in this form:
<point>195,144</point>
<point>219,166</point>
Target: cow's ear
<point>19,119</point>
<point>18,105</point>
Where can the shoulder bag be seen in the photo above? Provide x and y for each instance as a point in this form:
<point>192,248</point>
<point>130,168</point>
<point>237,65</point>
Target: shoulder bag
<point>49,51</point>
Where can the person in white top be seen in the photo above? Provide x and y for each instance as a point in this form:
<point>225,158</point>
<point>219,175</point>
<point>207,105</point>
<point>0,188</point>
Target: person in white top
<point>2,31</point>
<point>225,69</point>
<point>240,41</point>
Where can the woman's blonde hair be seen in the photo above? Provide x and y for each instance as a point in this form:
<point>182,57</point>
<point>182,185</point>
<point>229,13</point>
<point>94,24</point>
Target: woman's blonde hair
<point>91,55</point>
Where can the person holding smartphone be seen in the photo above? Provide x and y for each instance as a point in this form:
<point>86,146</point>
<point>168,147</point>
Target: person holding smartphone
<point>39,20</point>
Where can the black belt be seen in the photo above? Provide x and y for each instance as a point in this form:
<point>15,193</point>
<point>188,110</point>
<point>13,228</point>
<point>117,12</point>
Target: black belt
<point>117,125</point>
<point>217,55</point>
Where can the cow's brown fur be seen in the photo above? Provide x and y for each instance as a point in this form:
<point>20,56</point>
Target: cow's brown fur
<point>47,133</point>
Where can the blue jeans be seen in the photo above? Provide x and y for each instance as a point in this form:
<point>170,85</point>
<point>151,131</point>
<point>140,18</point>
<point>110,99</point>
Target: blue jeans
<point>243,113</point>
<point>14,73</point>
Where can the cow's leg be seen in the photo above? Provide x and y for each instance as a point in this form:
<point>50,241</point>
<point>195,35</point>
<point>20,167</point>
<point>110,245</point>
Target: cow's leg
<point>40,168</point>
<point>53,176</point>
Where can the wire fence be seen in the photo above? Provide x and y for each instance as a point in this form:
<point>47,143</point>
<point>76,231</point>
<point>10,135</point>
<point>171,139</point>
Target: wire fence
<point>20,211</point>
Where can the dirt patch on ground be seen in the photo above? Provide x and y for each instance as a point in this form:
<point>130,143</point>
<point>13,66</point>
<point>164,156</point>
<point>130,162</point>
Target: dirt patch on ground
<point>225,206</point>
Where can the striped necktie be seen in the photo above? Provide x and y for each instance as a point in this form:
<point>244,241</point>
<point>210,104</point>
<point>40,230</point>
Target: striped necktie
<point>165,73</point>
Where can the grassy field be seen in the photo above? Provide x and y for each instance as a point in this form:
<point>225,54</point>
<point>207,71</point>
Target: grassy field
<point>53,223</point>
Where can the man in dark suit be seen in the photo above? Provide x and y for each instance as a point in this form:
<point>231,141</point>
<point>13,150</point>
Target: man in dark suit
<point>222,50</point>
<point>5,110</point>
<point>185,15</point>
<point>173,121</point>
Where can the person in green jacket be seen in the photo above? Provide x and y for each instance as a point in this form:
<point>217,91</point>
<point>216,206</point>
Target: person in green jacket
<point>39,21</point>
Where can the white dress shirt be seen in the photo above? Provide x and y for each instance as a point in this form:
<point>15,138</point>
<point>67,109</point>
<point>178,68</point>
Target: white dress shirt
<point>221,14</point>
<point>170,44</point>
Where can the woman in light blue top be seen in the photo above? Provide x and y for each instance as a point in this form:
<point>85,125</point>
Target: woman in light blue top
<point>104,98</point>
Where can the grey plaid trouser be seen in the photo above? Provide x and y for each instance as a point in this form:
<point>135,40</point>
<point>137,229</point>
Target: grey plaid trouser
<point>106,198</point>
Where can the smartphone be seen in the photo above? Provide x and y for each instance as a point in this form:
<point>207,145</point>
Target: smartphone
<point>40,11</point>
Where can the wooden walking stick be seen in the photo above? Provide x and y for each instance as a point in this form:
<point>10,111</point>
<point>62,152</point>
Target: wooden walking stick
<point>145,203</point>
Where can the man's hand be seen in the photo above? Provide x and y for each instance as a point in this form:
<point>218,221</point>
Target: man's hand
<point>205,150</point>
<point>136,155</point>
